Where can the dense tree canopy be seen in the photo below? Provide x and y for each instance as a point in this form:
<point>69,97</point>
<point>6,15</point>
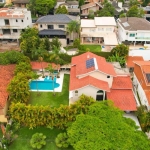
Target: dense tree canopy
<point>135,11</point>
<point>41,6</point>
<point>108,10</point>
<point>61,10</point>
<point>133,3</point>
<point>104,127</point>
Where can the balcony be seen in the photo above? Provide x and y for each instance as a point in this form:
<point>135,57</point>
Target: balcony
<point>143,38</point>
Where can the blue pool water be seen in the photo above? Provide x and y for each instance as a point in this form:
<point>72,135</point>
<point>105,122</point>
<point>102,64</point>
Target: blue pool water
<point>103,46</point>
<point>47,84</point>
<point>141,48</point>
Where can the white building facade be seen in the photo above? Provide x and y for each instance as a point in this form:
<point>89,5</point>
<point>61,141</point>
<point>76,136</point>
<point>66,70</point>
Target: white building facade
<point>13,21</point>
<point>133,29</point>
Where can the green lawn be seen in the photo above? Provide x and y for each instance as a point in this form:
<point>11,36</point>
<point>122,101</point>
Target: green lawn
<point>93,48</point>
<point>68,48</point>
<point>25,134</point>
<point>47,98</point>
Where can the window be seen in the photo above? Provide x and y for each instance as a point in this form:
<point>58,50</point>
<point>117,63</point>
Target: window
<point>108,29</point>
<point>21,20</point>
<point>92,30</point>
<point>61,26</point>
<point>23,30</point>
<point>6,31</point>
<point>6,22</point>
<point>50,27</point>
<point>16,20</point>
<point>108,76</point>
<point>100,29</point>
<point>76,93</point>
<point>40,25</point>
<point>15,30</point>
<point>132,35</point>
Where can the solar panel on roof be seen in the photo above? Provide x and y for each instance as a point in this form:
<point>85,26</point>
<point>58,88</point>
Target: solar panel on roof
<point>125,24</point>
<point>89,63</point>
<point>148,77</point>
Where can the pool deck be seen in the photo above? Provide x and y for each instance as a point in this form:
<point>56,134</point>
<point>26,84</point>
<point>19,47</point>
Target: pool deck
<point>58,80</point>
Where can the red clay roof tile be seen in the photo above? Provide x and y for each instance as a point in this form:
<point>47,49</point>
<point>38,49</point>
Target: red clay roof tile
<point>76,83</point>
<point>6,74</point>
<point>123,99</point>
<point>130,60</point>
<point>38,65</point>
<point>102,65</point>
<point>122,82</point>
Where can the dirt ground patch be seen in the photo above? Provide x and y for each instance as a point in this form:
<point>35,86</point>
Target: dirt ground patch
<point>9,46</point>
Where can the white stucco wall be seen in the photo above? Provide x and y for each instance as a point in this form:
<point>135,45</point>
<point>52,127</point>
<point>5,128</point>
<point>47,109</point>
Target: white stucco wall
<point>99,29</point>
<point>15,23</point>
<point>144,53</point>
<point>100,76</point>
<point>140,91</point>
<point>140,35</point>
<point>88,90</point>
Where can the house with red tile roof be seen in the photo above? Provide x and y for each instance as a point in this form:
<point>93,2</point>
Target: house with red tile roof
<point>93,76</point>
<point>141,81</point>
<point>130,61</point>
<point>6,74</point>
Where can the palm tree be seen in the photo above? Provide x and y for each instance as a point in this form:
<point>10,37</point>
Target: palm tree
<point>35,77</point>
<point>51,73</point>
<point>39,53</point>
<point>73,27</point>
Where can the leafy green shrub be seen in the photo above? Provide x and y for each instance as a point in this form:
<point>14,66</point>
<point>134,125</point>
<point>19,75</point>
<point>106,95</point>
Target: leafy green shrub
<point>62,140</point>
<point>38,140</point>
<point>76,43</point>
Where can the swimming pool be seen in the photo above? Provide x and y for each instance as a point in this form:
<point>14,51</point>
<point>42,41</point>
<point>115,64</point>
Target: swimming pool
<point>103,46</point>
<point>46,84</point>
<point>141,48</point>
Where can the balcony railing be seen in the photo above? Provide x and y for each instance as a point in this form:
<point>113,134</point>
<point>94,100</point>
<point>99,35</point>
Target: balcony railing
<point>143,38</point>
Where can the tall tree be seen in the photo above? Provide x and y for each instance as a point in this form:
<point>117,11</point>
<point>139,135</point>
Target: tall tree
<point>44,6</point>
<point>81,2</point>
<point>133,3</point>
<point>61,10</point>
<point>135,11</point>
<point>104,127</point>
<point>29,40</point>
<point>107,10</point>
<point>73,27</point>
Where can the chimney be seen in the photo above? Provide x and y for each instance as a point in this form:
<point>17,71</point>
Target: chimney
<point>120,4</point>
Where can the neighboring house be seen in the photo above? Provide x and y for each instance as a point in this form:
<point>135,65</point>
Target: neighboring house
<point>6,74</point>
<point>93,76</point>
<point>147,12</point>
<point>130,61</point>
<point>100,30</point>
<point>71,6</point>
<point>20,3</point>
<point>86,8</point>
<point>133,29</point>
<point>13,21</point>
<point>2,1</point>
<point>55,26</point>
<point>141,81</point>
<point>118,8</point>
